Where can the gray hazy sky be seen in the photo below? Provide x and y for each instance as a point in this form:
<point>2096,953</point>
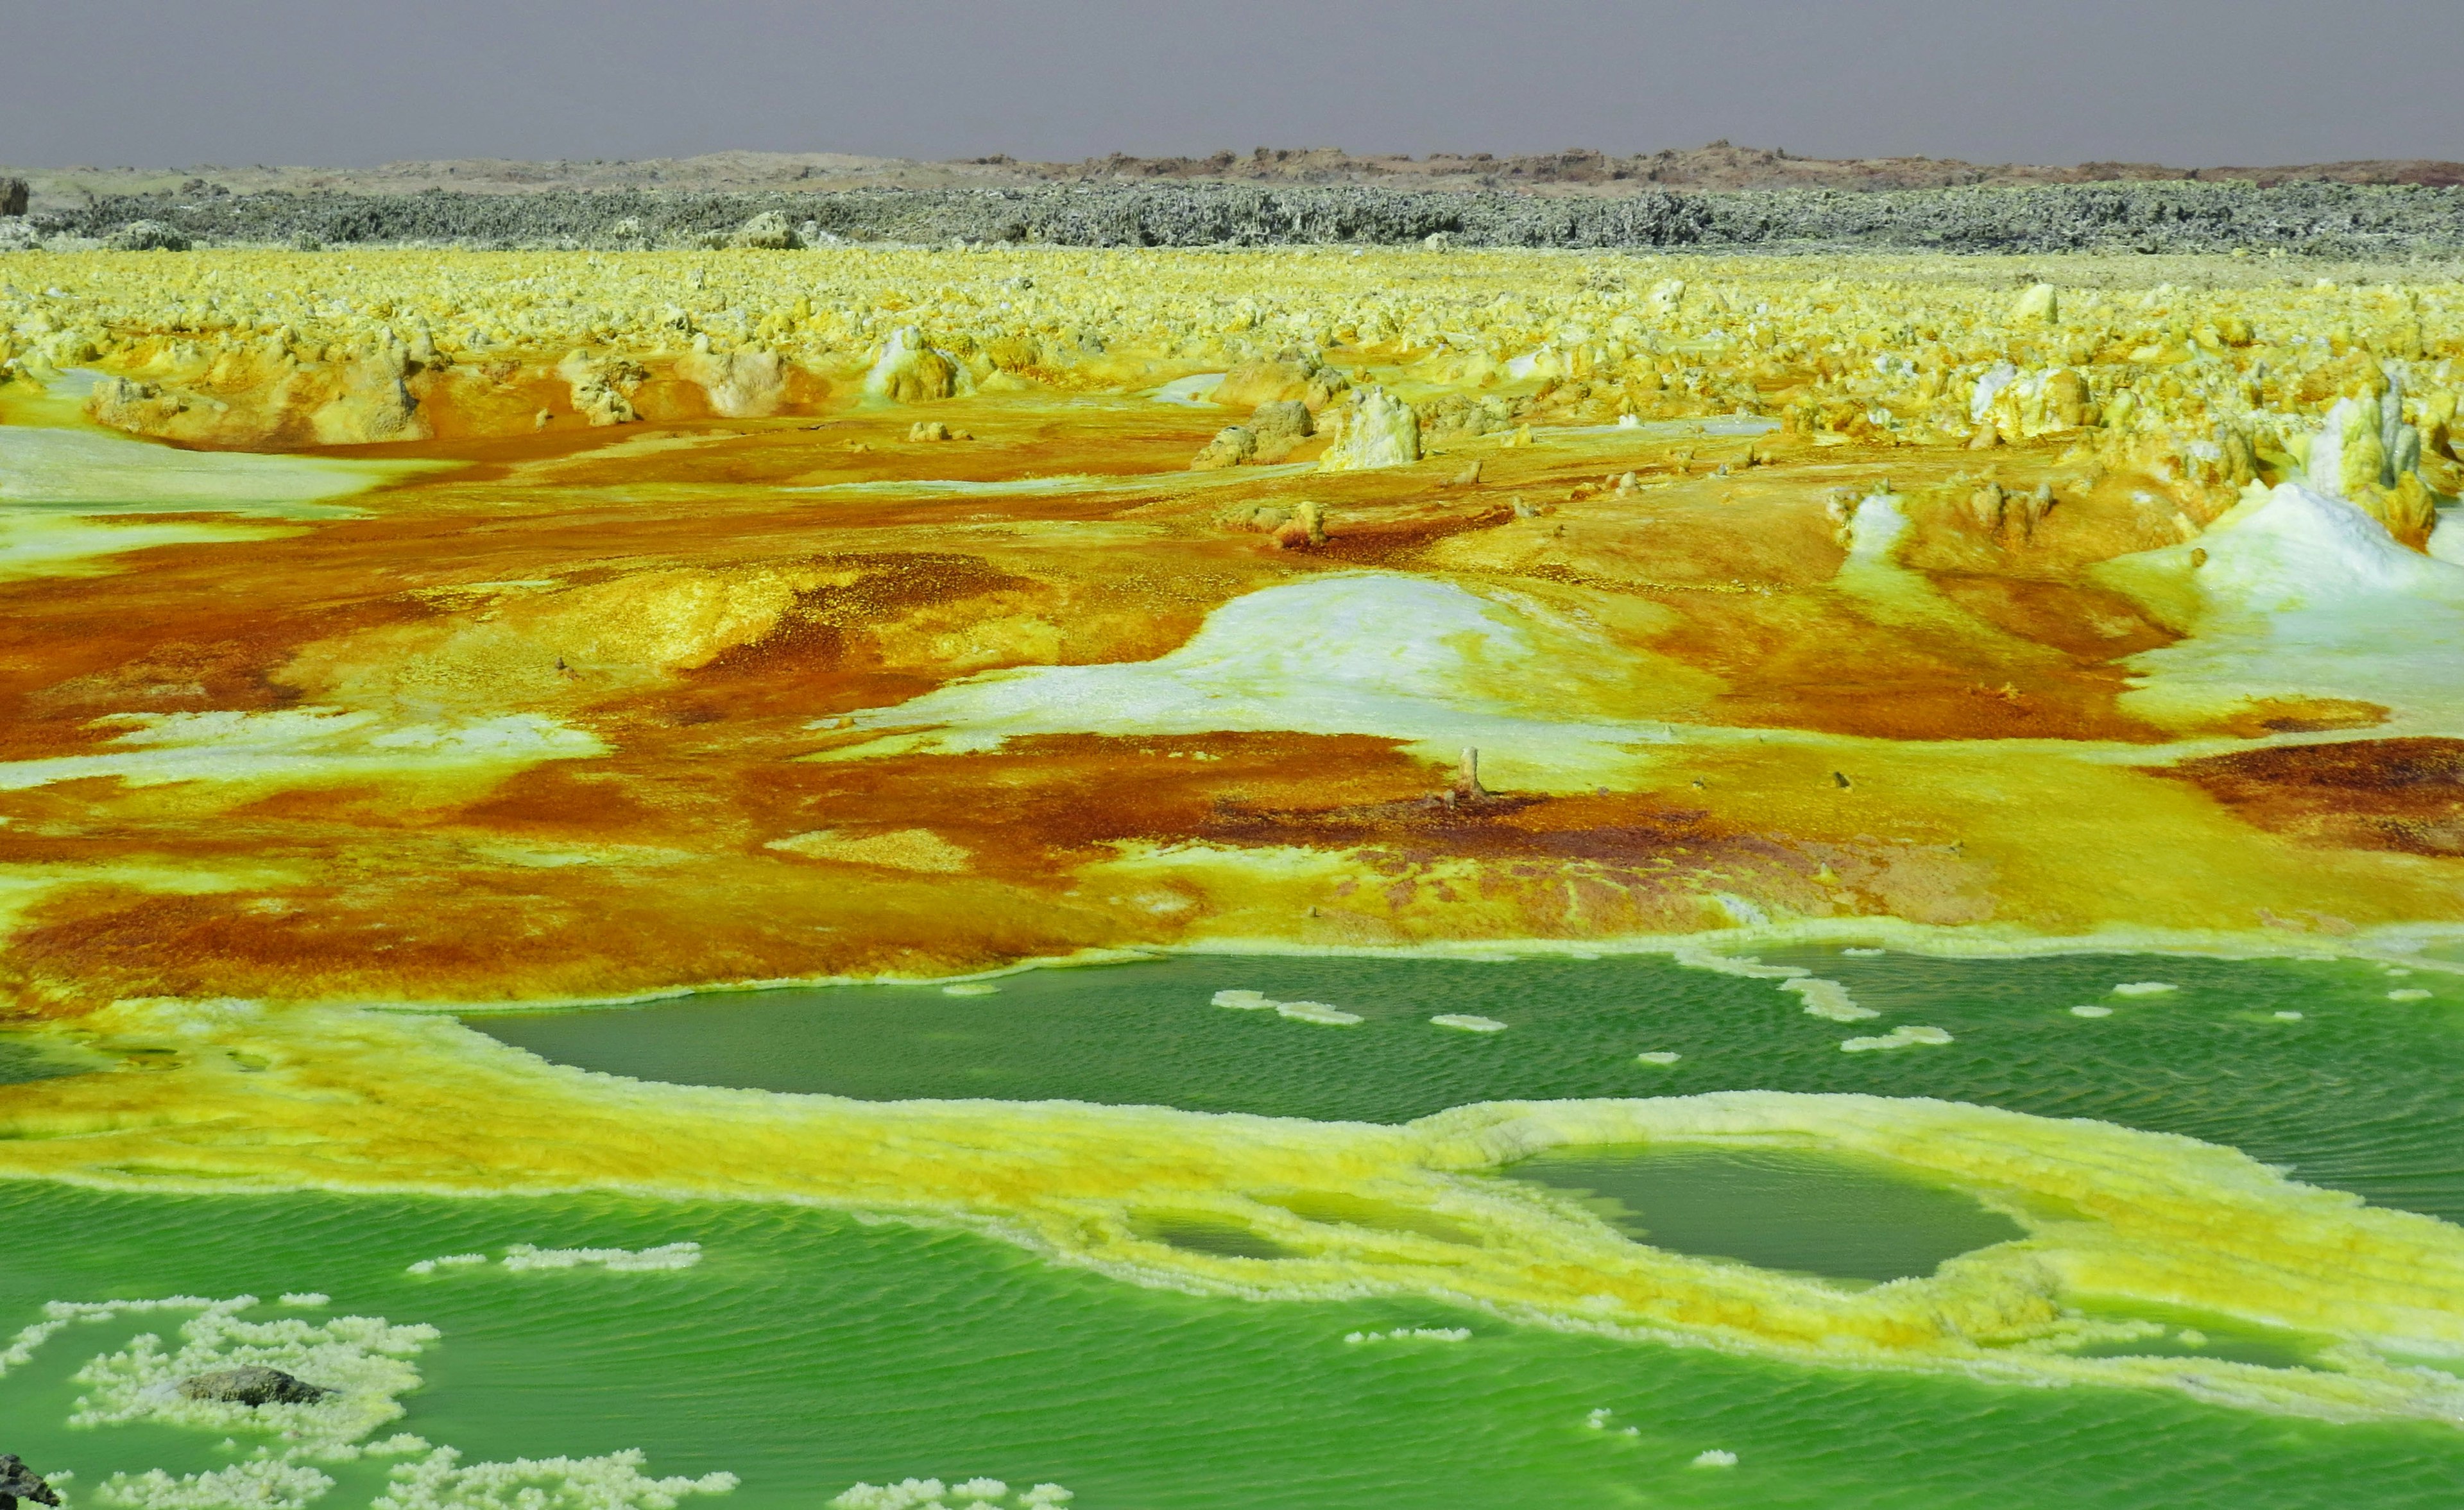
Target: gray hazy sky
<point>345,82</point>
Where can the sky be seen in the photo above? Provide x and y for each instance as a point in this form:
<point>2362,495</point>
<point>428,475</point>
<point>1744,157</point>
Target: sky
<point>350,84</point>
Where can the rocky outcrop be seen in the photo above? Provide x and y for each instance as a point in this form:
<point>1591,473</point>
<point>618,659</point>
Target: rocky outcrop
<point>909,372</point>
<point>742,385</point>
<point>13,194</point>
<point>1290,376</point>
<point>603,390</point>
<point>1378,430</point>
<point>251,1385</point>
<point>1280,426</point>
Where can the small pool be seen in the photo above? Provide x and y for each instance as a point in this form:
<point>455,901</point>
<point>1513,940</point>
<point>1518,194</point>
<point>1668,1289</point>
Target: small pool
<point>1810,1213</point>
<point>24,1058</point>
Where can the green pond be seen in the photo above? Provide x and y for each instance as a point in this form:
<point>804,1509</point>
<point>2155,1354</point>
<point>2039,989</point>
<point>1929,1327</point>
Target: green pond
<point>809,1350</point>
<point>1775,1208</point>
<point>2358,1093</point>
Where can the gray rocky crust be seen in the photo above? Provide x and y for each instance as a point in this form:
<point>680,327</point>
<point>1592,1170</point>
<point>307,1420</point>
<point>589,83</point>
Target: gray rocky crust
<point>2308,219</point>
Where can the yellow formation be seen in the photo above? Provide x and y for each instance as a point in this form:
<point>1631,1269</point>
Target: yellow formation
<point>396,628</point>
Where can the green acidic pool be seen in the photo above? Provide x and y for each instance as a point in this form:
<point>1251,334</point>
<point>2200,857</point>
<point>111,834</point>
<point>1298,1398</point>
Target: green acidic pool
<point>810,1350</point>
<point>2356,1092</point>
<point>1775,1208</point>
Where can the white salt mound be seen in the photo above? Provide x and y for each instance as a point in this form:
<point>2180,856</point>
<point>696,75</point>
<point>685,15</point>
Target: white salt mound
<point>1898,1037</point>
<point>1659,1057</point>
<point>1299,1012</point>
<point>2409,995</point>
<point>2144,988</point>
<point>2091,1011</point>
<point>1828,999</point>
<point>1715,1458</point>
<point>925,1494</point>
<point>1315,1011</point>
<point>1468,1023</point>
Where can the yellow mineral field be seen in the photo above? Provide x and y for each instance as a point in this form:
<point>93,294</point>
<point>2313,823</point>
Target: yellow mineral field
<point>402,629</point>
<point>400,626</point>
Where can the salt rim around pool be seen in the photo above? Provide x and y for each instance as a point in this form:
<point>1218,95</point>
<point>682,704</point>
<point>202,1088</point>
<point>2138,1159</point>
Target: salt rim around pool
<point>363,1102</point>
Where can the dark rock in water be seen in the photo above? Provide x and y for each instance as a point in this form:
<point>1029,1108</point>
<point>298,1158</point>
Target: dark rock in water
<point>251,1385</point>
<point>17,1482</point>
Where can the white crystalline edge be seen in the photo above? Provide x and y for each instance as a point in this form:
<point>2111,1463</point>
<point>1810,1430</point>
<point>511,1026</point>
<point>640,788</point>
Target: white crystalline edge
<point>1715,1458</point>
<point>930,1492</point>
<point>1899,1037</point>
<point>615,1481</point>
<point>523,1257</point>
<point>1828,999</point>
<point>1413,1333</point>
<point>1468,1023</point>
<point>1659,1057</point>
<point>2091,1011</point>
<point>306,1297</point>
<point>264,1483</point>
<point>2144,988</point>
<point>449,1261</point>
<point>1243,1000</point>
<point>2408,994</point>
<point>226,744</point>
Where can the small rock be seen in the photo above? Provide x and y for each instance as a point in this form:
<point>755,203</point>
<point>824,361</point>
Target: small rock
<point>251,1385</point>
<point>2039,305</point>
<point>1231,446</point>
<point>1306,527</point>
<point>928,430</point>
<point>13,194</point>
<point>1468,477</point>
<point>766,232</point>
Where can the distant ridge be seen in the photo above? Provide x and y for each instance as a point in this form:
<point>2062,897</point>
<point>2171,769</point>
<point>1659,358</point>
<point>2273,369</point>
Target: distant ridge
<point>1719,165</point>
